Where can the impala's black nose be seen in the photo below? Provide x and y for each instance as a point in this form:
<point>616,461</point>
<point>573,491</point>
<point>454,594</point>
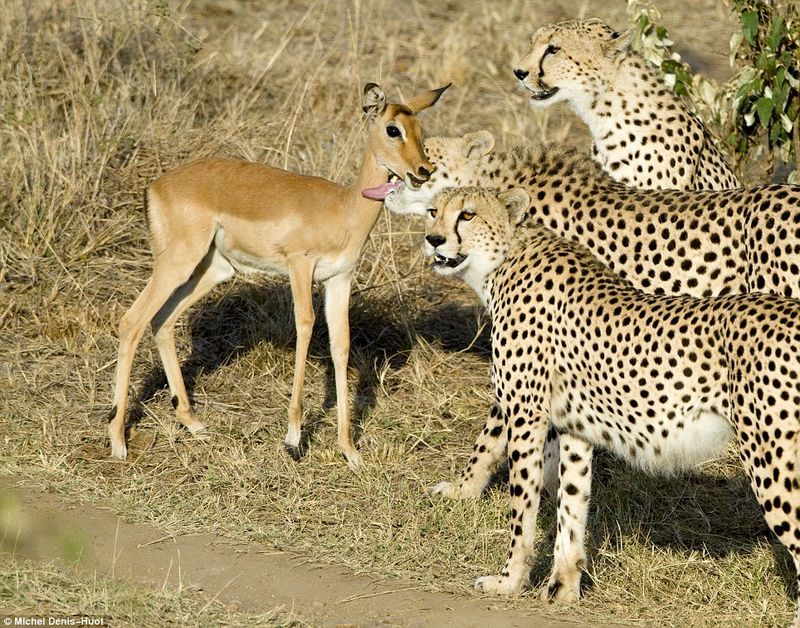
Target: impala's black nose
<point>434,239</point>
<point>521,74</point>
<point>423,173</point>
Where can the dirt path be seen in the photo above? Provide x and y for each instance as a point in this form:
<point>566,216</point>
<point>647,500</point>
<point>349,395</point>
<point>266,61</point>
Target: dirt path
<point>249,575</point>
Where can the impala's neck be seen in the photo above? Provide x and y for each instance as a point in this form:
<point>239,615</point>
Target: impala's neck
<point>364,212</point>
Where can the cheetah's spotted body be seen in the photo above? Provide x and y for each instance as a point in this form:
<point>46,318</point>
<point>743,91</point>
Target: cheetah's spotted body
<point>643,134</point>
<point>662,381</point>
<point>662,241</point>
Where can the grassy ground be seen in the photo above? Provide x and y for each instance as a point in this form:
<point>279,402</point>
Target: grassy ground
<point>100,98</point>
<point>48,590</point>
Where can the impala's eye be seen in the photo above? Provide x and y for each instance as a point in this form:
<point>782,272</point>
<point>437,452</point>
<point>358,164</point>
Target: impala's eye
<point>393,131</point>
<point>467,215</point>
<point>432,211</point>
<point>551,50</point>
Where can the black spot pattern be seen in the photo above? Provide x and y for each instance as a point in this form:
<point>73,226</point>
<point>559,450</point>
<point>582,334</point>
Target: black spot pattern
<point>643,133</point>
<point>663,381</point>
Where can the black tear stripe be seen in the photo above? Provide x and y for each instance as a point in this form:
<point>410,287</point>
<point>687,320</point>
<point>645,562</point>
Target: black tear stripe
<point>458,235</point>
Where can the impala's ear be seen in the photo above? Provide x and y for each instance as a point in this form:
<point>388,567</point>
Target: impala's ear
<point>374,103</point>
<point>478,144</point>
<point>426,99</point>
<point>516,201</point>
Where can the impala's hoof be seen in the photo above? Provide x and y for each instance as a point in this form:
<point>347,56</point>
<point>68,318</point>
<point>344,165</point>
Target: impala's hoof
<point>296,453</point>
<point>119,452</point>
<point>353,460</point>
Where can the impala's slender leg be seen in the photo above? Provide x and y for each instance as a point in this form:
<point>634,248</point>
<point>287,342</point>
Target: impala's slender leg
<point>169,273</point>
<point>214,269</point>
<point>301,274</point>
<point>337,313</point>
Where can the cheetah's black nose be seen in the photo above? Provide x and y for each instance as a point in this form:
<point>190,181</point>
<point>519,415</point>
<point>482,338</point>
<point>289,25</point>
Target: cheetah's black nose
<point>521,74</point>
<point>435,239</point>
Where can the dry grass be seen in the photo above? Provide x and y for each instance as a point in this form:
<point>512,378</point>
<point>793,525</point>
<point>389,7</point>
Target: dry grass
<point>98,99</point>
<point>49,590</point>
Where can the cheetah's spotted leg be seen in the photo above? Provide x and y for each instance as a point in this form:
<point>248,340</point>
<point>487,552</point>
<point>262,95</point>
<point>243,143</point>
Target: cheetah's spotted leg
<point>774,470</point>
<point>488,454</point>
<point>569,557</point>
<point>526,462</point>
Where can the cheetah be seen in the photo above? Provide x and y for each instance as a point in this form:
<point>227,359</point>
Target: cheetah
<point>643,135</point>
<point>662,241</point>
<point>662,381</point>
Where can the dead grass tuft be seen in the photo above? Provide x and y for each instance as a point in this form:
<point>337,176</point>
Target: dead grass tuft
<point>100,98</point>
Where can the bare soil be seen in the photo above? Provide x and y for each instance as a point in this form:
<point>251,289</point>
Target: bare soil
<point>247,576</point>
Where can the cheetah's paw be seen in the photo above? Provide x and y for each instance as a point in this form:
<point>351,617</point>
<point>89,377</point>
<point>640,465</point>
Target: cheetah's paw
<point>497,585</point>
<point>453,490</point>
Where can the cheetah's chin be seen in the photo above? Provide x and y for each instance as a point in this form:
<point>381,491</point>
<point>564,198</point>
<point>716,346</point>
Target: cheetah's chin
<point>449,265</point>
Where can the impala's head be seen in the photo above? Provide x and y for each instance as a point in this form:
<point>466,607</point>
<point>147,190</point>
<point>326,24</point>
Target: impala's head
<point>395,139</point>
<point>457,162</point>
<point>471,229</point>
<point>565,58</point>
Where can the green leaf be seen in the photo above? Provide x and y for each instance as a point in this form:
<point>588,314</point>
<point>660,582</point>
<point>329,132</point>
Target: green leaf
<point>779,96</point>
<point>777,81</point>
<point>744,90</point>
<point>670,66</point>
<point>777,135</point>
<point>765,62</point>
<point>787,59</point>
<point>682,74</point>
<point>749,25</point>
<point>776,33</point>
<point>764,108</point>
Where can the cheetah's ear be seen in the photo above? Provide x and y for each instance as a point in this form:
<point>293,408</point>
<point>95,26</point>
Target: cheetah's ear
<point>516,201</point>
<point>618,43</point>
<point>374,103</point>
<point>478,144</point>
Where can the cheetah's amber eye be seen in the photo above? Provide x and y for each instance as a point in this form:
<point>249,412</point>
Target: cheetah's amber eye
<point>432,211</point>
<point>551,50</point>
<point>467,215</point>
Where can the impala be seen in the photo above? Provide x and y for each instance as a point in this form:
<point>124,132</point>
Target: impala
<point>212,217</point>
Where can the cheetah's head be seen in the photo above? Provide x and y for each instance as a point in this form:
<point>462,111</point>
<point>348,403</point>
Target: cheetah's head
<point>566,60</point>
<point>456,162</point>
<point>470,231</point>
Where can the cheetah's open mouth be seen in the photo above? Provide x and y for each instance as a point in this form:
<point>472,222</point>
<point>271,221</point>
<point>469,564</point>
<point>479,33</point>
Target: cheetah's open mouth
<point>440,261</point>
<point>543,92</point>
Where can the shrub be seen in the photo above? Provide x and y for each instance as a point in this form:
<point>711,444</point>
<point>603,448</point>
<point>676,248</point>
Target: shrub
<point>758,109</point>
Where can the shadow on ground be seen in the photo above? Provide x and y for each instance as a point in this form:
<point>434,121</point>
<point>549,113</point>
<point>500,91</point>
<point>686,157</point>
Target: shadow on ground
<point>691,512</point>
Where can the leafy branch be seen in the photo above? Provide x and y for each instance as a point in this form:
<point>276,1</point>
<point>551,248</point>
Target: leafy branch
<point>759,106</point>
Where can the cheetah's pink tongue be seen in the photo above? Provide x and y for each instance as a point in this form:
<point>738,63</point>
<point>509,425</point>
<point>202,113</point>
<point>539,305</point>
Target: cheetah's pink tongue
<point>382,191</point>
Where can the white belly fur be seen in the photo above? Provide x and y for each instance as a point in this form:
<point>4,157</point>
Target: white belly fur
<point>703,436</point>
